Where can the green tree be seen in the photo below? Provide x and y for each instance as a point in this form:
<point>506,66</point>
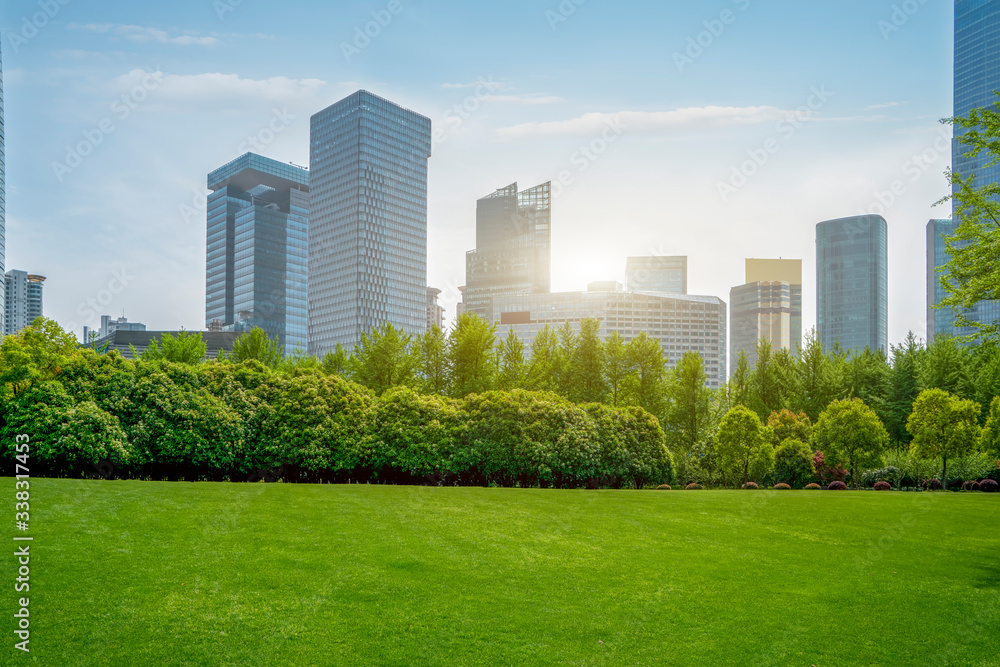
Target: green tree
<point>742,443</point>
<point>35,354</point>
<point>184,348</point>
<point>793,463</point>
<point>689,402</point>
<point>868,376</point>
<point>904,387</point>
<point>768,381</point>
<point>944,426</point>
<point>564,371</point>
<point>739,389</point>
<point>945,365</point>
<point>472,355</point>
<point>256,345</point>
<point>542,370</point>
<point>817,380</point>
<point>646,357</point>
<point>434,361</point>
<point>337,362</point>
<point>587,364</point>
<point>513,365</point>
<point>384,359</point>
<point>990,441</point>
<point>850,434</point>
<point>972,275</point>
<point>788,425</point>
<point>617,368</point>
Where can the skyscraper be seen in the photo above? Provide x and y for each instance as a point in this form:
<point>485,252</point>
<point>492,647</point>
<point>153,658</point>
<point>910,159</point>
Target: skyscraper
<point>852,283</point>
<point>513,247</point>
<point>368,227</point>
<point>940,321</point>
<point>3,203</point>
<point>768,306</point>
<point>257,249</point>
<point>22,300</point>
<point>657,274</point>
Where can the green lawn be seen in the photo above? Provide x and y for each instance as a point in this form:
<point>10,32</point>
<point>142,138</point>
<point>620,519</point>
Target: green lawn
<point>150,573</point>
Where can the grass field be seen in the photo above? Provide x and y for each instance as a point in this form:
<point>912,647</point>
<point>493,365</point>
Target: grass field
<point>149,573</point>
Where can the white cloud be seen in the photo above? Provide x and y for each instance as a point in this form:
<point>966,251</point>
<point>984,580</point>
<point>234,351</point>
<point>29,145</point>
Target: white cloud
<point>696,118</point>
<point>136,33</point>
<point>225,89</point>
<point>886,105</point>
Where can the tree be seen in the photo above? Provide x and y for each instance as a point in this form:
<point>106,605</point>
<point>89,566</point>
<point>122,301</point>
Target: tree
<point>817,382</point>
<point>587,365</point>
<point>617,368</point>
<point>513,365</point>
<point>689,401</point>
<point>384,359</point>
<point>337,362</point>
<point>184,348</point>
<point>904,387</point>
<point>850,433</point>
<point>646,356</point>
<point>972,274</point>
<point>788,425</point>
<point>945,365</point>
<point>35,354</point>
<point>544,360</point>
<point>793,463</point>
<point>434,361</point>
<point>472,355</point>
<point>867,375</point>
<point>990,441</point>
<point>767,381</point>
<point>742,442</point>
<point>943,425</point>
<point>256,344</point>
<point>564,372</point>
<point>738,390</point>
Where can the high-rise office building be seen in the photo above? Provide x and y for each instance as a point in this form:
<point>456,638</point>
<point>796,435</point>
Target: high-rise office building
<point>22,300</point>
<point>977,76</point>
<point>940,321</point>
<point>258,249</point>
<point>368,225</point>
<point>513,247</point>
<point>768,306</point>
<point>657,274</point>
<point>3,204</point>
<point>435,313</point>
<point>852,283</point>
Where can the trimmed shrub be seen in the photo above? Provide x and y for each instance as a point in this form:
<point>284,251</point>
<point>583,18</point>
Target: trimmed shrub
<point>882,486</point>
<point>781,486</point>
<point>813,487</point>
<point>693,487</point>
<point>751,485</point>
<point>837,486</point>
<point>989,486</point>
<point>932,485</point>
<point>664,487</point>
<point>971,485</point>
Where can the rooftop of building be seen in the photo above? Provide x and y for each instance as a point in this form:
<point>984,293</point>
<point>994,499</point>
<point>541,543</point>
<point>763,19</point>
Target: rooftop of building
<point>250,170</point>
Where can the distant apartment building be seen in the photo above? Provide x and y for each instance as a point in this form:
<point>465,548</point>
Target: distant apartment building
<point>680,322</point>
<point>110,325</point>
<point>368,223</point>
<point>22,300</point>
<point>257,249</point>
<point>657,274</point>
<point>768,306</point>
<point>435,312</point>
<point>852,283</point>
<point>513,247</point>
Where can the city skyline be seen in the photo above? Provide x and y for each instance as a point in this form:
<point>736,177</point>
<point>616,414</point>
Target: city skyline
<point>203,87</point>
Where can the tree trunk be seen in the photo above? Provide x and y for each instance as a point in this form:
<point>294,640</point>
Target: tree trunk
<point>944,473</point>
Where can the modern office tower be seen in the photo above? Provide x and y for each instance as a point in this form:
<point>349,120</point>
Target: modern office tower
<point>680,322</point>
<point>940,321</point>
<point>768,306</point>
<point>22,300</point>
<point>852,283</point>
<point>258,249</point>
<point>435,313</point>
<point>513,247</point>
<point>368,228</point>
<point>3,205</point>
<point>657,274</point>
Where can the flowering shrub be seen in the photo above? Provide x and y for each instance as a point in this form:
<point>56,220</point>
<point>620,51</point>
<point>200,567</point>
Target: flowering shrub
<point>813,487</point>
<point>693,487</point>
<point>827,473</point>
<point>664,487</point>
<point>971,485</point>
<point>932,485</point>
<point>882,486</point>
<point>751,485</point>
<point>837,486</point>
<point>989,486</point>
<point>782,486</point>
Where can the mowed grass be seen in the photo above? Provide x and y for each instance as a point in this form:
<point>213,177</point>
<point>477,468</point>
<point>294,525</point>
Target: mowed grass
<point>150,573</point>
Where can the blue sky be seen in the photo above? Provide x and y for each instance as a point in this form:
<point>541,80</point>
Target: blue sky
<point>162,93</point>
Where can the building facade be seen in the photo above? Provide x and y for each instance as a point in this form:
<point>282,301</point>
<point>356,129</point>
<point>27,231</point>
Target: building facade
<point>940,321</point>
<point>368,223</point>
<point>681,323</point>
<point>257,249</point>
<point>133,344</point>
<point>435,313</point>
<point>513,247</point>
<point>22,300</point>
<point>768,306</point>
<point>852,283</point>
<point>657,274</point>
<point>3,206</point>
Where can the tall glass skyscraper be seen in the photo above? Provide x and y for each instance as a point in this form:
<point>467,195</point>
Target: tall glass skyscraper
<point>368,225</point>
<point>940,321</point>
<point>513,252</point>
<point>3,202</point>
<point>258,249</point>
<point>852,282</point>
